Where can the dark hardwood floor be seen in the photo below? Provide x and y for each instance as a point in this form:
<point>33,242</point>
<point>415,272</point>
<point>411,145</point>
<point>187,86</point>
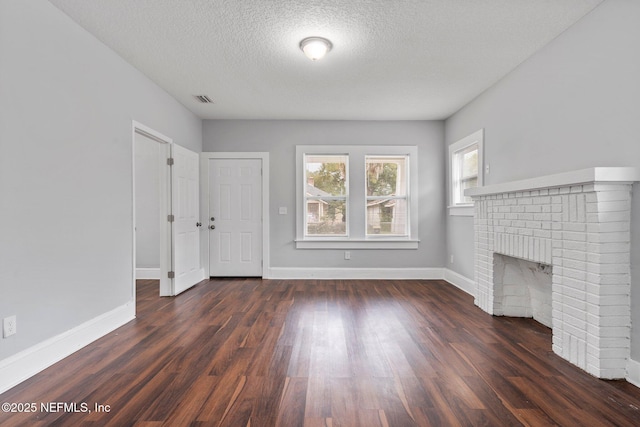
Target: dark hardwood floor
<point>251,352</point>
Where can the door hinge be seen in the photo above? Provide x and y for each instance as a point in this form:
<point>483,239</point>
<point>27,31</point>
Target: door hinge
<point>171,218</point>
<point>170,161</point>
<point>171,275</point>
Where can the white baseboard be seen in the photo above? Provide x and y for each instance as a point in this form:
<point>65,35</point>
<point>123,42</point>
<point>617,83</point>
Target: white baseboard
<point>460,281</point>
<point>148,273</point>
<point>456,279</point>
<point>633,372</point>
<point>25,364</point>
<point>355,273</point>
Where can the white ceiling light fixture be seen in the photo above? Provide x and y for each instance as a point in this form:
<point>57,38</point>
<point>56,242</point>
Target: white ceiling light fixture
<point>315,47</point>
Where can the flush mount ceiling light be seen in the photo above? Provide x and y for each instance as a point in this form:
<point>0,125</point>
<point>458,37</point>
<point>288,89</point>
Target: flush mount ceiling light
<point>315,47</point>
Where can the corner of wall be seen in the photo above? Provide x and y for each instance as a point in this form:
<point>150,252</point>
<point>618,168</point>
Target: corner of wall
<point>459,281</point>
<point>633,372</point>
<point>19,367</point>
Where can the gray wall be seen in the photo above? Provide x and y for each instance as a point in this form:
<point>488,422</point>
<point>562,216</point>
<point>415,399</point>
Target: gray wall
<point>280,138</point>
<point>147,169</point>
<point>572,105</point>
<point>66,108</point>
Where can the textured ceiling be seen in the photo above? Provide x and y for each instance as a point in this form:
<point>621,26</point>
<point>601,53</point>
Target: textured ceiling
<point>391,59</point>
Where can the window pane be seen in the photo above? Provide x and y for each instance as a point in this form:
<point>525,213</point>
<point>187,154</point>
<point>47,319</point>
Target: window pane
<point>326,217</point>
<point>325,175</point>
<point>386,176</point>
<point>470,163</point>
<point>387,217</point>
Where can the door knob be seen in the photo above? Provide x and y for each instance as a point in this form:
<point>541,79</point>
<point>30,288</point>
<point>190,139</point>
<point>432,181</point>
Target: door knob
<point>198,224</point>
<point>212,227</point>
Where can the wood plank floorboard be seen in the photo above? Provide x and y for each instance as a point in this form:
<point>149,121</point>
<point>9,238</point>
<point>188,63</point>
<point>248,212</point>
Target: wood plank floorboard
<point>331,353</point>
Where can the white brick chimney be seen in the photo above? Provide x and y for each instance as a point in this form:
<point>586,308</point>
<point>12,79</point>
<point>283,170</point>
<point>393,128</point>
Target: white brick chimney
<point>579,224</point>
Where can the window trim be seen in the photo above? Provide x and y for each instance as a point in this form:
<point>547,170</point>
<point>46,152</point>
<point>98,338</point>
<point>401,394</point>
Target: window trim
<point>356,211</point>
<point>464,209</point>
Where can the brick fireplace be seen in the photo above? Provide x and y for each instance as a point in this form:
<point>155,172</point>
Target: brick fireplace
<point>574,227</point>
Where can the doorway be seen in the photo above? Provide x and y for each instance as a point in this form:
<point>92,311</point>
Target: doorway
<point>151,207</point>
<point>172,219</point>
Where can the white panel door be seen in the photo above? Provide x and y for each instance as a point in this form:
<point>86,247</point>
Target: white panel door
<point>235,217</point>
<point>185,209</point>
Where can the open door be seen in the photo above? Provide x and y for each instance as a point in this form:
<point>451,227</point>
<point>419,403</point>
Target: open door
<point>185,218</point>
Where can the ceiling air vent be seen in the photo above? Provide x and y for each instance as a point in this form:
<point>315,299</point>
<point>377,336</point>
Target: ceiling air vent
<point>204,99</point>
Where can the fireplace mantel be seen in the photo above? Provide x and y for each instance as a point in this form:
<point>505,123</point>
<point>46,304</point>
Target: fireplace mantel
<point>582,176</point>
<point>579,223</point>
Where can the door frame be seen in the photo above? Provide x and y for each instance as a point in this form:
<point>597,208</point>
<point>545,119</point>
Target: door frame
<point>204,205</point>
<point>166,284</point>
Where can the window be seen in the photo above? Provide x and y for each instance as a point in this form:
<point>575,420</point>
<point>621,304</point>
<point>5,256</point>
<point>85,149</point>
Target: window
<point>356,197</point>
<point>387,201</point>
<point>325,195</point>
<point>465,165</point>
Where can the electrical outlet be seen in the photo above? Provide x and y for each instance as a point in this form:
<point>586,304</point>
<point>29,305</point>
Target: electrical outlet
<point>8,326</point>
<point>451,260</point>
<point>347,255</point>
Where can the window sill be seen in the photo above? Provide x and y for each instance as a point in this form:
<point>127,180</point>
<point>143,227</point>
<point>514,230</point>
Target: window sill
<point>358,244</point>
<point>464,210</point>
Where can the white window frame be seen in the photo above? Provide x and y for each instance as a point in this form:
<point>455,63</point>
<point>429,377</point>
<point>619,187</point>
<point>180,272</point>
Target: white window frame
<point>476,138</point>
<point>356,210</point>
